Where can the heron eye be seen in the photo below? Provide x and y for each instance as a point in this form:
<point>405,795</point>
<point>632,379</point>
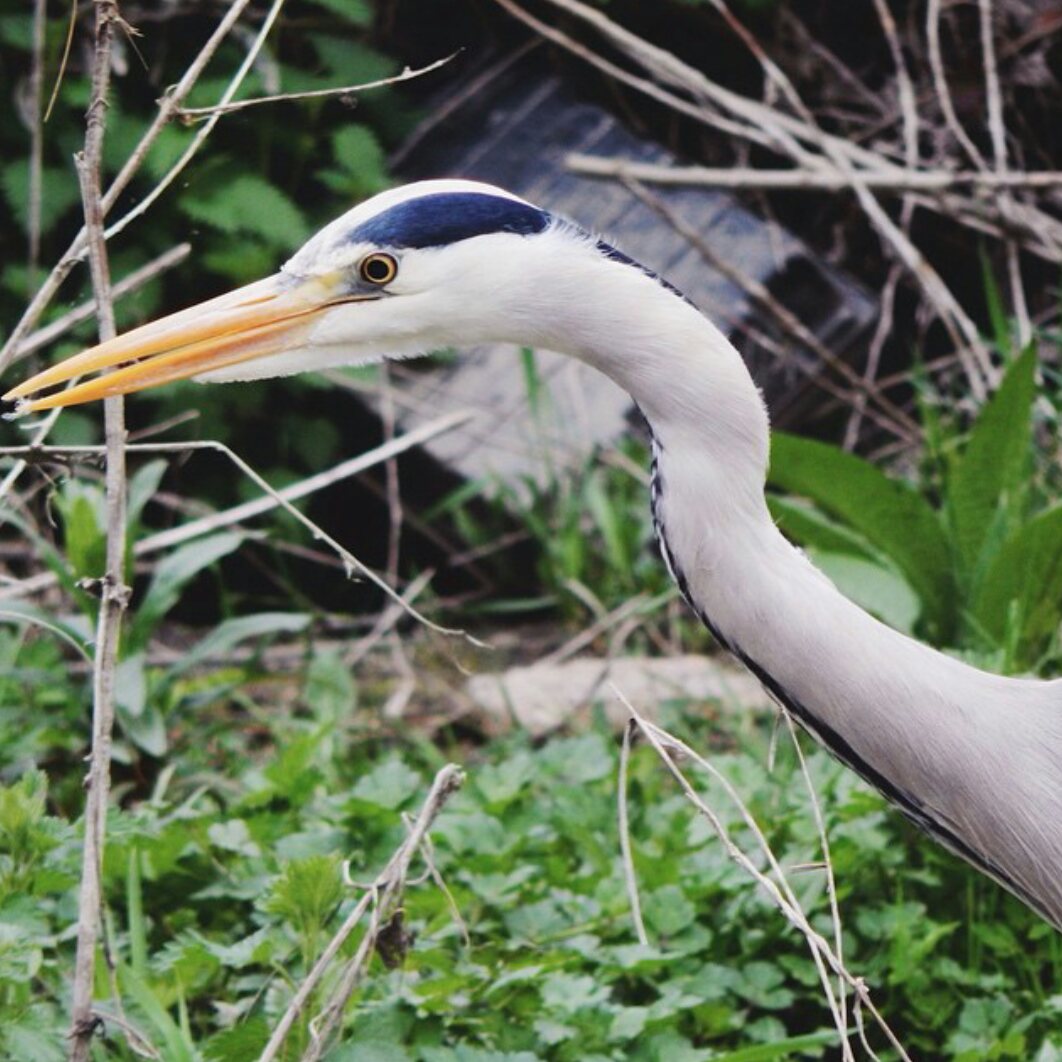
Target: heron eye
<point>378,268</point>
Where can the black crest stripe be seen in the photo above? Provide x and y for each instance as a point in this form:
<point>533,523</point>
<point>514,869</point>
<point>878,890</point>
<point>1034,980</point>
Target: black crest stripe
<point>449,217</point>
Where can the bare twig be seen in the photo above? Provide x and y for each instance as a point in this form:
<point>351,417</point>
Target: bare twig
<point>195,113</point>
<point>205,129</point>
<point>79,314</point>
<point>998,132</point>
<point>113,592</point>
<point>811,147</point>
<point>36,159</point>
<point>777,888</point>
<point>742,178</point>
<point>383,893</point>
<point>227,517</point>
<point>351,564</point>
<point>629,875</point>
<point>831,883</point>
<point>940,84</point>
<point>76,250</point>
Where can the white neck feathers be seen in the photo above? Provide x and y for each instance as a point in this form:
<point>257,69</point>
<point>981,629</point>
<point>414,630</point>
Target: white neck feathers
<point>974,758</point>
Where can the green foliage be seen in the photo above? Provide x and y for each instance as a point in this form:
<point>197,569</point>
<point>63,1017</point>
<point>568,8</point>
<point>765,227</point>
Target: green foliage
<point>267,178</point>
<point>224,888</point>
<point>982,564</point>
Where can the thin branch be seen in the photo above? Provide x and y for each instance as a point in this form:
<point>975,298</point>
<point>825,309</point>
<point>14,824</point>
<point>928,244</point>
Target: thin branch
<point>205,130</point>
<point>998,132</point>
<point>779,891</point>
<point>831,883</point>
<point>76,251</point>
<point>385,891</point>
<point>940,84</point>
<point>629,875</point>
<point>114,594</point>
<point>407,74</point>
<point>83,312</point>
<point>271,499</point>
<point>36,159</point>
<point>352,565</point>
<point>791,134</point>
<point>742,178</point>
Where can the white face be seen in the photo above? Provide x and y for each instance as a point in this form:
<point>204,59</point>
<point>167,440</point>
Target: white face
<point>431,265</point>
<point>465,291</point>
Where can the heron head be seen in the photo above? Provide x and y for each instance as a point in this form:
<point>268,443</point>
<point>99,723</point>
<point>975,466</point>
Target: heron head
<point>414,269</point>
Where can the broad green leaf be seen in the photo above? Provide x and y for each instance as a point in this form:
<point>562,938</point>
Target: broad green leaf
<point>142,487</point>
<point>141,721</point>
<point>989,480</point>
<point>871,584</point>
<point>160,1023</point>
<point>227,635</point>
<point>787,1048</point>
<point>389,785</point>
<point>307,893</point>
<point>59,192</point>
<point>172,575</point>
<point>330,691</point>
<point>23,612</point>
<point>360,165</point>
<point>249,203</point>
<point>356,12</point>
<point>84,513</point>
<point>890,514</point>
<point>811,528</point>
<point>1023,584</point>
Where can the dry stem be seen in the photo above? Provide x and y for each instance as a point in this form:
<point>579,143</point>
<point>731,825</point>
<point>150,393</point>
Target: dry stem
<point>384,894</point>
<point>113,592</point>
<point>407,74</point>
<point>776,887</point>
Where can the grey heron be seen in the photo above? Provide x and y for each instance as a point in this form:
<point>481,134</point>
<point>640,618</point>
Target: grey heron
<point>973,758</point>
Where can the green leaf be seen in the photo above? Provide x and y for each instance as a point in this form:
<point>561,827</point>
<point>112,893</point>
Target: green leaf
<point>249,204</point>
<point>787,1048</point>
<point>890,514</point>
<point>1023,584</point>
<point>988,482</point>
<point>809,527</point>
<point>160,1023</point>
<point>242,1043</point>
<point>227,635</point>
<point>356,12</point>
<point>360,164</point>
<point>84,513</point>
<point>389,785</point>
<point>307,893</point>
<point>22,612</point>
<point>330,690</point>
<point>872,585</point>
<point>142,487</point>
<point>997,312</point>
<point>59,192</point>
<point>172,575</point>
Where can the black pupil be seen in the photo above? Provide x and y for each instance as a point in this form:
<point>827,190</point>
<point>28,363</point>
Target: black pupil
<point>378,269</point>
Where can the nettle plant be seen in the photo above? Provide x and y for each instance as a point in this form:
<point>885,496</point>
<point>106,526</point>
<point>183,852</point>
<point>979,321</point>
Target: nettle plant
<point>972,560</point>
<point>145,694</point>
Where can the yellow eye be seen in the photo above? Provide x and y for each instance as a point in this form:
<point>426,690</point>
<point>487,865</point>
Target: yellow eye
<point>378,268</point>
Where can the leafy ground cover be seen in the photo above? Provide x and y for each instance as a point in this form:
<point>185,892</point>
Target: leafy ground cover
<point>224,879</point>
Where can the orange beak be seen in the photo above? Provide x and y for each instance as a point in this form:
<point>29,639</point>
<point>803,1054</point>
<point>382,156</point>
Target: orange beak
<point>267,317</point>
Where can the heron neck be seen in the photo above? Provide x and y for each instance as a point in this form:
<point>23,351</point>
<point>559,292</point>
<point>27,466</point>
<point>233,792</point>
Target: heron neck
<point>934,734</point>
